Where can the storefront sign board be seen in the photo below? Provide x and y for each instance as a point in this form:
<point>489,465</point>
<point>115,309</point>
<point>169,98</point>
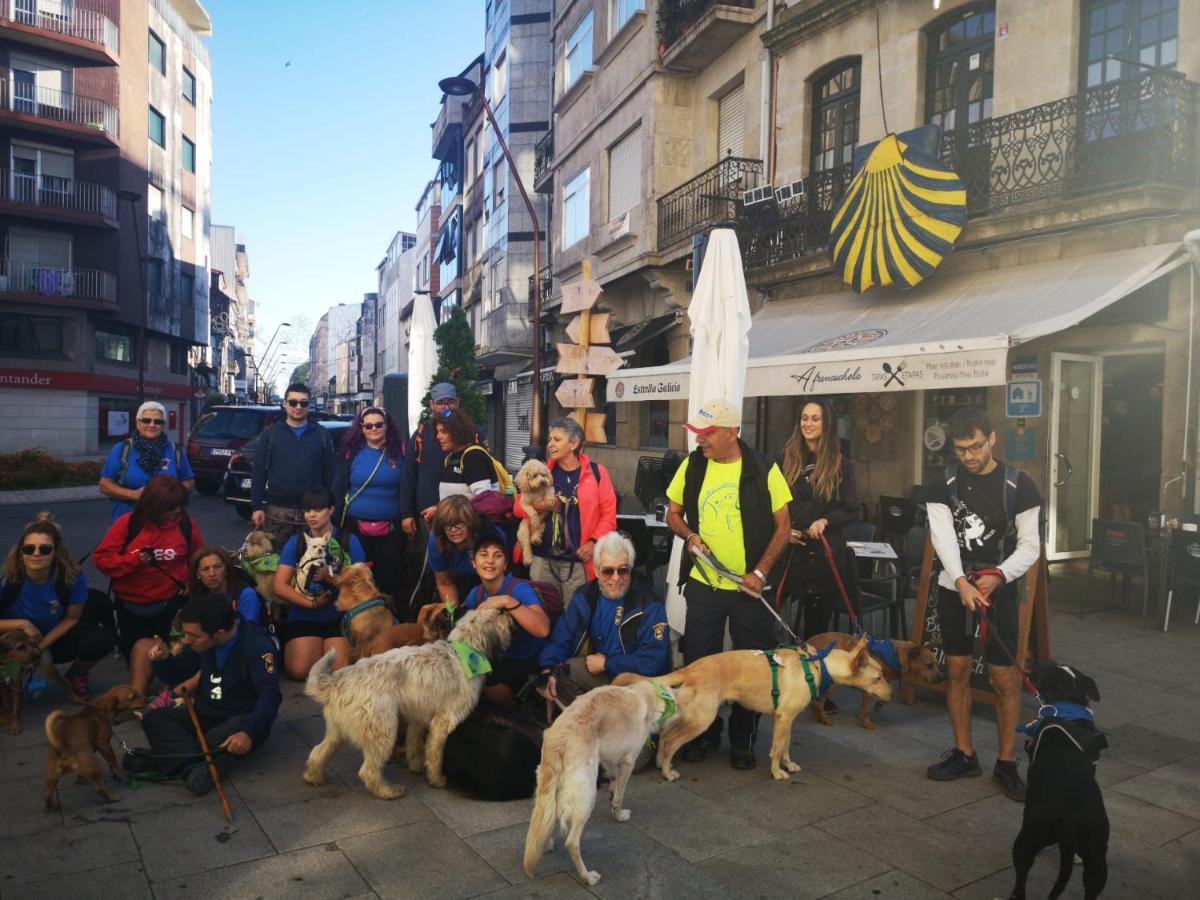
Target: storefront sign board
<point>1020,444</point>
<point>54,380</point>
<point>1023,399</point>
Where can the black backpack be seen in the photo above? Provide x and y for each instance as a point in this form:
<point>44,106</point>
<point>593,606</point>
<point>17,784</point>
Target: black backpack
<point>123,467</point>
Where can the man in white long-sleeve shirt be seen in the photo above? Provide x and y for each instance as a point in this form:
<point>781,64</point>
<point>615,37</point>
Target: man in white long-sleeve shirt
<point>982,515</point>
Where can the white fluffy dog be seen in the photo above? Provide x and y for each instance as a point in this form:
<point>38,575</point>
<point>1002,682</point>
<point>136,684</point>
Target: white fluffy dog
<point>536,484</point>
<point>606,726</point>
<point>425,685</point>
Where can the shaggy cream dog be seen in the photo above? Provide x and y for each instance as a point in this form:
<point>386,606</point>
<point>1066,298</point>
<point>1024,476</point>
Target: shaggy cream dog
<point>606,726</point>
<point>537,486</point>
<point>425,685</point>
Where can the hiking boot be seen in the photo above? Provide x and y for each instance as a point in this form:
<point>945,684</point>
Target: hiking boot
<point>955,764</point>
<point>697,750</point>
<point>198,779</point>
<point>1008,777</point>
<point>742,760</point>
<point>138,762</point>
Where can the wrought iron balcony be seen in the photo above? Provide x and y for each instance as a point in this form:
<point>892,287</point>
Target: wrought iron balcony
<point>1139,132</point>
<point>712,196</point>
<point>692,33</point>
<point>46,194</point>
<point>57,107</point>
<point>543,153</point>
<point>505,333</point>
<point>18,277</point>
<point>48,24</point>
<point>547,286</point>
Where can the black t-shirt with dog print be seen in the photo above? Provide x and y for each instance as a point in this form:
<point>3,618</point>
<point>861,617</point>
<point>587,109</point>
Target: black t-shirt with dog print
<point>980,523</point>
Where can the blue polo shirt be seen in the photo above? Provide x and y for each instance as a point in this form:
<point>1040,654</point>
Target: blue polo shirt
<point>135,477</point>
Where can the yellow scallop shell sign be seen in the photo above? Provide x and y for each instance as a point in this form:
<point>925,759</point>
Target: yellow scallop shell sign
<point>899,218</point>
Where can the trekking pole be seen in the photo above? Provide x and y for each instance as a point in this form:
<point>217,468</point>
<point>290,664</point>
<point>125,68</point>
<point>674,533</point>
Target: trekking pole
<point>208,757</point>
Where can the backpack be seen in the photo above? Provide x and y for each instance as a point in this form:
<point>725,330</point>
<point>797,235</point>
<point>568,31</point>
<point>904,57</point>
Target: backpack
<point>550,596</point>
<point>185,525</point>
<point>1011,474</point>
<point>123,466</point>
<point>503,479</point>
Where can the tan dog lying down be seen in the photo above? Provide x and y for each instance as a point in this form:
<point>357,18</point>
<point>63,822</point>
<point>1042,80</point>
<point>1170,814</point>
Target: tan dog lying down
<point>744,676</point>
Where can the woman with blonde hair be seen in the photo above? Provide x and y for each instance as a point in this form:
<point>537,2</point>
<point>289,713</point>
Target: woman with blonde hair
<point>43,593</point>
<point>454,531</point>
<point>134,461</point>
<point>824,502</point>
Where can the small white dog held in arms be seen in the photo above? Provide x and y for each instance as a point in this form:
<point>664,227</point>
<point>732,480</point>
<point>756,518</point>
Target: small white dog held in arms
<point>427,686</point>
<point>537,486</point>
<point>606,726</point>
<point>315,555</point>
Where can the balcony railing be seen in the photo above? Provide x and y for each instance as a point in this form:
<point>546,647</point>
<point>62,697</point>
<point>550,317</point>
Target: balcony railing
<point>1129,133</point>
<point>52,192</point>
<point>692,33</point>
<point>65,19</point>
<point>506,329</point>
<point>27,98</point>
<point>712,196</point>
<point>543,153</point>
<point>17,277</point>
<point>547,286</point>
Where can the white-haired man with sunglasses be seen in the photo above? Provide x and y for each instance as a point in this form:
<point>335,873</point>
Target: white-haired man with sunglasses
<point>612,625</point>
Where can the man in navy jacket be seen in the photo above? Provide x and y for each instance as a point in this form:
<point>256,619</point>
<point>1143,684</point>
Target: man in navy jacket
<point>236,701</point>
<point>620,616</point>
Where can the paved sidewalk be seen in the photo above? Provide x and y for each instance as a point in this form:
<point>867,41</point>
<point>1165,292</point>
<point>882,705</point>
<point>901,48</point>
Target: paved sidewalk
<point>860,821</point>
<point>51,495</point>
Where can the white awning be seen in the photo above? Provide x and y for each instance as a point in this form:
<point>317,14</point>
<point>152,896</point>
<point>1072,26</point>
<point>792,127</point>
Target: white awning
<point>951,331</point>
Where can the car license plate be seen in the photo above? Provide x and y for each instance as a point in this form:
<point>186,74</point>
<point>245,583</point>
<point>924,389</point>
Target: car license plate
<point>245,484</point>
<point>221,451</point>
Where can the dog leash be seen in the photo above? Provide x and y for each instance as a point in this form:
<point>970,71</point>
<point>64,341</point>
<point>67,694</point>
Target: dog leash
<point>757,595</point>
<point>988,634</point>
<point>837,578</point>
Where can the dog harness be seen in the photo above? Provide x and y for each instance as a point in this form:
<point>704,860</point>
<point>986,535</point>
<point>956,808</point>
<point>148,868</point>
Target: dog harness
<point>814,682</point>
<point>268,562</point>
<point>365,606</point>
<point>473,662</point>
<point>1073,720</point>
<point>668,700</point>
<point>885,651</point>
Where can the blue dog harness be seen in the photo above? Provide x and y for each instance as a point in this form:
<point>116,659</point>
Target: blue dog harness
<point>1072,719</point>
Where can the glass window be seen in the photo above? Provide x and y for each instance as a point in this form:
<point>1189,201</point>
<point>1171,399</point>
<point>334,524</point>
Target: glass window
<point>114,346</point>
<point>835,117</point>
<point>1120,34</point>
<point>499,83</point>
<point>31,334</point>
<point>622,12</point>
<point>177,358</point>
<point>189,86</point>
<point>158,54</point>
<point>154,276</point>
<point>576,208</point>
<point>578,52</point>
<point>187,219</point>
<point>656,430</point>
<point>625,174</point>
<point>187,288</point>
<point>154,204</point>
<point>158,127</point>
<point>958,78</point>
<point>498,183</point>
<point>189,155</point>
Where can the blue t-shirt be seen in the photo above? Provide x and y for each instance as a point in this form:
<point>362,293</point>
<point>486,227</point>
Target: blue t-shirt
<point>458,562</point>
<point>39,602</point>
<point>561,543</point>
<point>135,478</point>
<point>298,430</point>
<point>249,605</point>
<point>524,645</point>
<point>290,555</point>
<point>381,498</point>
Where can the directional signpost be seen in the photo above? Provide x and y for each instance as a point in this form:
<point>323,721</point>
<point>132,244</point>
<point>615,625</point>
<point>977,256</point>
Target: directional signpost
<point>581,358</point>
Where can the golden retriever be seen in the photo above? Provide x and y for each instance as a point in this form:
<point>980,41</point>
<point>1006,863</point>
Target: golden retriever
<point>357,586</point>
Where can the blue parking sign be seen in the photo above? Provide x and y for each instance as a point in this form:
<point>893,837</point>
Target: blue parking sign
<point>1023,399</point>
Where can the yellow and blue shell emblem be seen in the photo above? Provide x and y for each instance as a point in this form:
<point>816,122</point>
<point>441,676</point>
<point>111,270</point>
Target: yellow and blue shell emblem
<point>899,218</point>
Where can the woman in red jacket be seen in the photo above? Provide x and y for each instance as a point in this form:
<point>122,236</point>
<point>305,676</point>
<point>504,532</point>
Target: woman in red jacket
<point>582,510</point>
<point>146,553</point>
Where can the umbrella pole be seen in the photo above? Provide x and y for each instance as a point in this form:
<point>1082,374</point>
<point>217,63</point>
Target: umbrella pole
<point>208,759</point>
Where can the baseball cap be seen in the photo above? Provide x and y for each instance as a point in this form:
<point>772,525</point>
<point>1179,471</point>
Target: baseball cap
<point>714,414</point>
<point>443,390</point>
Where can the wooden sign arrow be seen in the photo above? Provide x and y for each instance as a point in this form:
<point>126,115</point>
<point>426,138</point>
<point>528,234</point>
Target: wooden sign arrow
<point>598,331</point>
<point>593,426</point>
<point>575,393</point>
<point>571,359</point>
<point>579,295</point>
<point>602,361</point>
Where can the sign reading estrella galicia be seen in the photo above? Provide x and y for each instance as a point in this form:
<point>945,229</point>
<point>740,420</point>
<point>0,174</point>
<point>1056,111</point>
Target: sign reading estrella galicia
<point>1023,399</point>
<point>848,340</point>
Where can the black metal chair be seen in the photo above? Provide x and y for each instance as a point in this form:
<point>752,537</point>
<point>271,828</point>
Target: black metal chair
<point>860,531</point>
<point>873,586</point>
<point>1185,570</point>
<point>1118,548</point>
<point>896,516</point>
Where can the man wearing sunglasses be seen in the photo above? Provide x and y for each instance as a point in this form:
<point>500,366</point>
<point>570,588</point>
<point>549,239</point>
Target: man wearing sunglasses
<point>292,455</point>
<point>134,461</point>
<point>612,625</point>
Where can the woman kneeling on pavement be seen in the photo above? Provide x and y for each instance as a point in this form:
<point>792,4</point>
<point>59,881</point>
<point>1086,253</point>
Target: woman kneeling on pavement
<point>455,531</point>
<point>145,553</point>
<point>314,624</point>
<point>43,594</point>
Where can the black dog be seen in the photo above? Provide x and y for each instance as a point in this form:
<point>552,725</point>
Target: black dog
<point>1063,804</point>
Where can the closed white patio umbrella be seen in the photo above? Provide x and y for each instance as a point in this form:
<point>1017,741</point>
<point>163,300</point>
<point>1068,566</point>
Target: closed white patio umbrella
<point>422,356</point>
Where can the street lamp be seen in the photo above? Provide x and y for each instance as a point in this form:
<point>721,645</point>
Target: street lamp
<point>132,198</point>
<point>268,358</point>
<point>461,86</point>
<point>275,335</point>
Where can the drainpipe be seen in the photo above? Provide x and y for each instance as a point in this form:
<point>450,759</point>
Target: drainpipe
<point>767,117</point>
<point>1191,242</point>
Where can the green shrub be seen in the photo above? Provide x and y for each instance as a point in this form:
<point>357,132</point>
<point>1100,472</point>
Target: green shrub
<point>31,469</point>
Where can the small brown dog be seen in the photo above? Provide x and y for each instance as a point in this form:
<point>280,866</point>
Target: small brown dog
<point>255,559</point>
<point>536,485</point>
<point>19,655</point>
<point>410,634</point>
<point>75,740</point>
<point>917,663</point>
<point>355,588</point>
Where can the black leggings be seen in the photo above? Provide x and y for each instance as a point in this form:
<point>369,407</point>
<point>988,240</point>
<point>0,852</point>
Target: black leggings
<point>133,627</point>
<point>817,610</point>
<point>388,561</point>
<point>86,642</point>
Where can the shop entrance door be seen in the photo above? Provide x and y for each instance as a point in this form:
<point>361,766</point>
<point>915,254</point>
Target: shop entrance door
<point>1074,453</point>
<point>1131,436</point>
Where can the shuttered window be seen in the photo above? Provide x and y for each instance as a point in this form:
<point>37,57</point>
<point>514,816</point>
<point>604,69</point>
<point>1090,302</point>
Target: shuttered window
<point>731,121</point>
<point>625,174</point>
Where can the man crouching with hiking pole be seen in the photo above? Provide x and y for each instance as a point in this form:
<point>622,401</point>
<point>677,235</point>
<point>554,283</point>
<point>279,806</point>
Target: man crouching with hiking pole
<point>236,700</point>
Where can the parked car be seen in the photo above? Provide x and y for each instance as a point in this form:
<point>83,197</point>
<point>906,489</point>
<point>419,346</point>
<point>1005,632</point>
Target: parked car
<point>241,466</point>
<point>219,433</point>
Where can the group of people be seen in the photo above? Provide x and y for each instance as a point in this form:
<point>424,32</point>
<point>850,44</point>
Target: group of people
<point>735,510</point>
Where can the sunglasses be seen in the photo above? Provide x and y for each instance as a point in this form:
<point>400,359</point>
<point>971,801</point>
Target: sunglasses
<point>148,421</point>
<point>610,571</point>
<point>303,404</point>
<point>39,549</point>
<point>373,426</point>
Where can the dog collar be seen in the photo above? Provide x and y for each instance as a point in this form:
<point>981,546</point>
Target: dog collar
<point>373,603</point>
<point>473,662</point>
<point>668,700</point>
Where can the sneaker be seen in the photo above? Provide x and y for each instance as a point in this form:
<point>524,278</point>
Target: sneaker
<point>697,750</point>
<point>742,760</point>
<point>955,764</point>
<point>198,779</point>
<point>138,762</point>
<point>165,700</point>
<point>1008,777</point>
<point>79,684</point>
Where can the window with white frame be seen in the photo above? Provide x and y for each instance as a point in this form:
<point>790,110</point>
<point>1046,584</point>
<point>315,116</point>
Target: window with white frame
<point>731,120</point>
<point>575,204</point>
<point>187,222</point>
<point>625,174</point>
<point>499,82</point>
<point>154,204</point>
<point>578,52</point>
<point>621,11</point>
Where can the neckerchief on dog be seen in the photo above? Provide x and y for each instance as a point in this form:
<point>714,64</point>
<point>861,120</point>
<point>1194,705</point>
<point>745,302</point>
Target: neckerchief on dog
<point>373,603</point>
<point>268,562</point>
<point>885,651</point>
<point>668,700</point>
<point>473,662</point>
<point>10,673</point>
<point>1074,720</point>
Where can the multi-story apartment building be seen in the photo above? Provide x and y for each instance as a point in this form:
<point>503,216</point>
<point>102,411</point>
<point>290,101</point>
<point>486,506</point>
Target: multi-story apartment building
<point>105,156</point>
<point>318,361</point>
<point>232,328</point>
<point>395,276</point>
<point>336,328</point>
<point>1065,307</point>
<point>364,339</point>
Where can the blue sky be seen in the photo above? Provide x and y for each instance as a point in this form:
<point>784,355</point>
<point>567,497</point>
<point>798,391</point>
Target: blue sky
<point>319,163</point>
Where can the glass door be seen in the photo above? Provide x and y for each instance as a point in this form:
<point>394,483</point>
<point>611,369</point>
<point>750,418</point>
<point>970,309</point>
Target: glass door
<point>1074,453</point>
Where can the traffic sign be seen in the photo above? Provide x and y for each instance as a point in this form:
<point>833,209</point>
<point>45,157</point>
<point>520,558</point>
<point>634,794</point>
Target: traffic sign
<point>579,295</point>
<point>1023,399</point>
<point>597,332</point>
<point>575,393</point>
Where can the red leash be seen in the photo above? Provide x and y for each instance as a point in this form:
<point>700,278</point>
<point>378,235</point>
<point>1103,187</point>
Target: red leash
<point>837,577</point>
<point>986,634</point>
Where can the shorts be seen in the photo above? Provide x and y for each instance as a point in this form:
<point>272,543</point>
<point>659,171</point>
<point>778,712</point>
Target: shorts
<point>1003,618</point>
<point>304,628</point>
